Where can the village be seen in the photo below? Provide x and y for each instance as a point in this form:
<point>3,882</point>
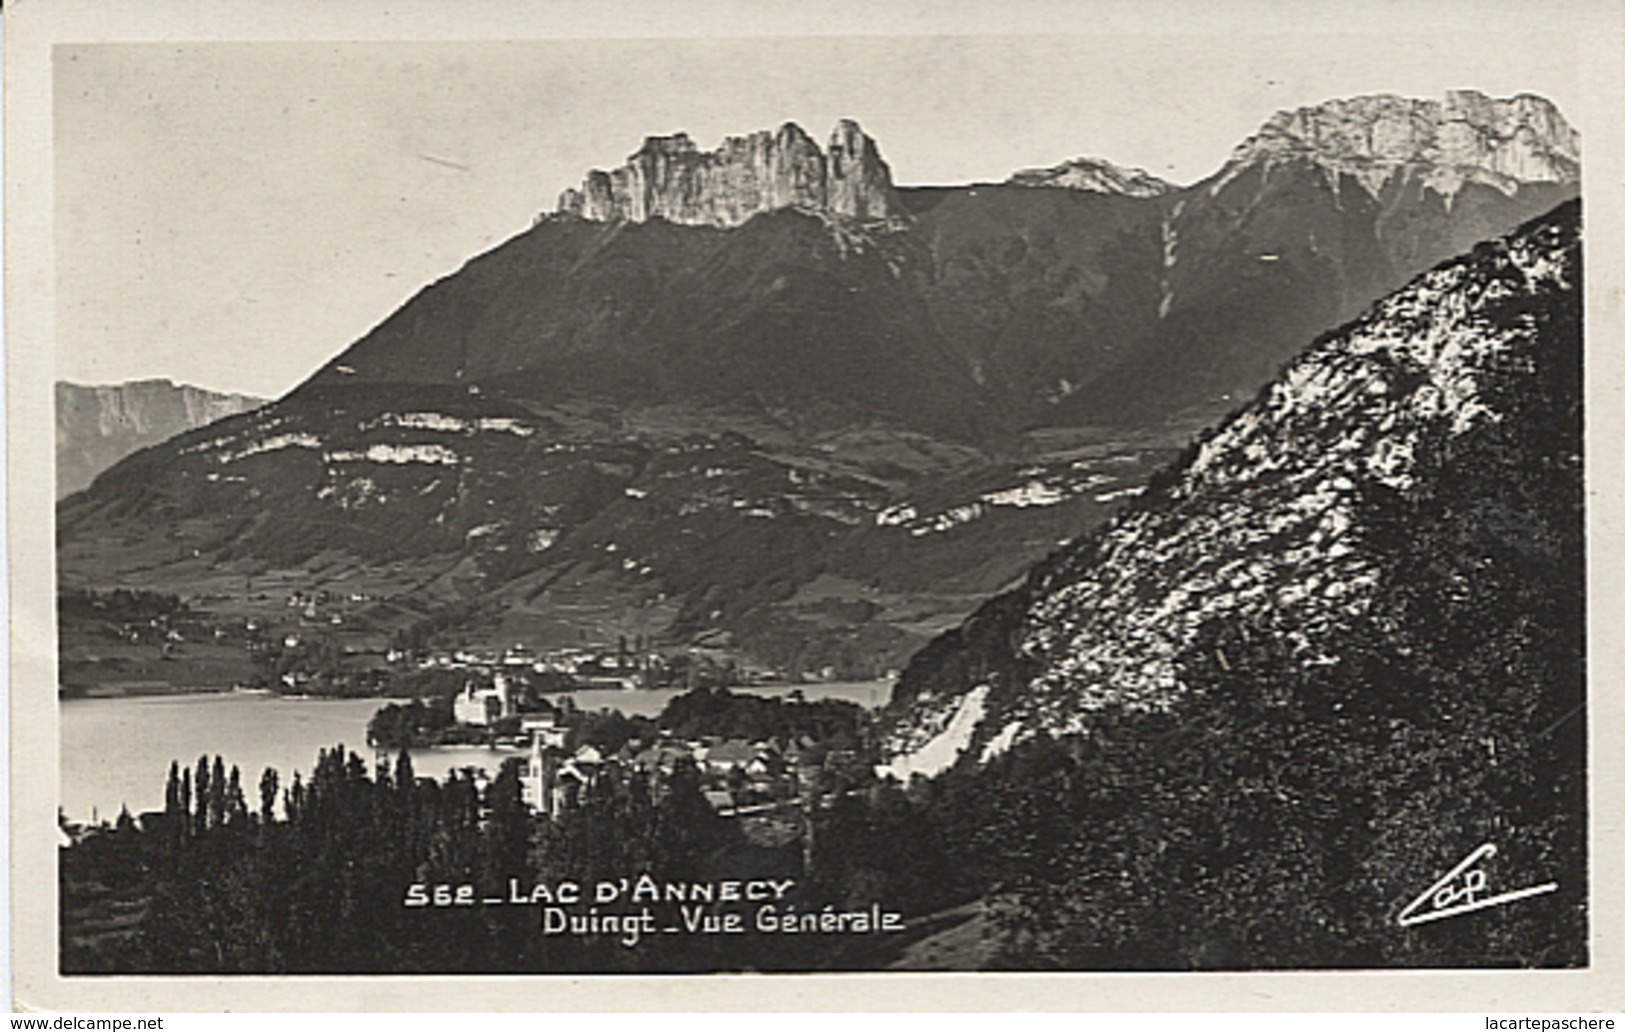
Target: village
<point>556,712</point>
<point>749,753</point>
<point>307,657</point>
<point>316,642</point>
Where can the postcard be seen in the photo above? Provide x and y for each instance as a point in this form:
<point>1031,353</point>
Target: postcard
<point>751,507</point>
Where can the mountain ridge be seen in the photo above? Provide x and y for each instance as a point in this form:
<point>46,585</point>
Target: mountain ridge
<point>669,177</point>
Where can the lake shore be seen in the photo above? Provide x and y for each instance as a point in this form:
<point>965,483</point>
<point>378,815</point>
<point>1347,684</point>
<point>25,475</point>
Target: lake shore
<point>116,750</point>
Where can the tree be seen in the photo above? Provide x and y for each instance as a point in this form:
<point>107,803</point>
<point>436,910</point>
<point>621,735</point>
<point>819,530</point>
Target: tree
<point>236,806</point>
<point>201,796</point>
<point>268,789</point>
<point>172,789</point>
<point>218,792</point>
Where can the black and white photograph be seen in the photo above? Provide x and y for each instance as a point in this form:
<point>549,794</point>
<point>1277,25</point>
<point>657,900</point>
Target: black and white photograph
<point>838,502</point>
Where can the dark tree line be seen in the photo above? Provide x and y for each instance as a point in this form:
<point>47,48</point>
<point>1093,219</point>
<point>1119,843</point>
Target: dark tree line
<point>314,879</point>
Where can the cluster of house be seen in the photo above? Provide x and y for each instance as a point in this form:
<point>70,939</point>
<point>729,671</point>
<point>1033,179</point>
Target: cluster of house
<point>588,668</point>
<point>323,607</point>
<point>736,776</point>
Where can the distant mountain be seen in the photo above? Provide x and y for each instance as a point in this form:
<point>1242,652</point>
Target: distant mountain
<point>1465,138</point>
<point>1095,175</point>
<point>767,357</point>
<point>97,426</point>
<point>1322,211</point>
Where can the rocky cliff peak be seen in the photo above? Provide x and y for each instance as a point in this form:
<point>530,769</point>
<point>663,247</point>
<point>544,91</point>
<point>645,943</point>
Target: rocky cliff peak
<point>672,179</point>
<point>1094,175</point>
<point>1466,137</point>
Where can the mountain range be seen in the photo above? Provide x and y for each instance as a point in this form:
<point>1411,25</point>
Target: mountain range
<point>766,397</point>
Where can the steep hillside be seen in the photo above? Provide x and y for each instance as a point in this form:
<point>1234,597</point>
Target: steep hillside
<point>1290,515</point>
<point>1330,653</point>
<point>97,426</point>
<point>791,311</point>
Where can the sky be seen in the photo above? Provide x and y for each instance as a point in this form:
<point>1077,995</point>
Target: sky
<point>233,215</point>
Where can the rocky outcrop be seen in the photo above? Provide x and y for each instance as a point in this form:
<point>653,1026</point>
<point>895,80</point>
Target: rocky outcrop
<point>859,181</point>
<point>1466,137</point>
<point>670,178</point>
<point>1094,175</point>
<point>98,425</point>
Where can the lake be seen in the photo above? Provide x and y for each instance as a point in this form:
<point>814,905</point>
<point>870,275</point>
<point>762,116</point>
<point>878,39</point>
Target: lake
<point>117,751</point>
